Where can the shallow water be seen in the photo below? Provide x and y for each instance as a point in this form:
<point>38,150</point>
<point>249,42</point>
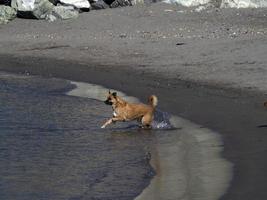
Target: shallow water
<point>51,146</point>
<point>186,156</point>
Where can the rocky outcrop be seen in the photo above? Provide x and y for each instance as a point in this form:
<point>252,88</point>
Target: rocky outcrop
<point>80,4</point>
<point>63,13</point>
<point>189,3</point>
<point>44,9</point>
<point>99,4</point>
<point>243,3</point>
<point>6,14</point>
<point>222,3</point>
<point>61,9</point>
<point>52,10</point>
<point>120,3</point>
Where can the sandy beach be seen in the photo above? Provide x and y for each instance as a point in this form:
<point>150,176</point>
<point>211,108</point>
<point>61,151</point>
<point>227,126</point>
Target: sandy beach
<point>208,67</point>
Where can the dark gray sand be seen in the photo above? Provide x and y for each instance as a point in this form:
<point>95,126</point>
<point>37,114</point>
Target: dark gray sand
<point>208,67</point>
<point>224,47</point>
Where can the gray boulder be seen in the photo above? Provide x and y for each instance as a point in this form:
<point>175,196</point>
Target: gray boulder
<point>6,14</point>
<point>80,4</point>
<point>42,8</point>
<point>32,8</point>
<point>97,5</point>
<point>120,3</point>
<point>63,13</point>
<point>23,5</point>
<point>189,3</point>
<point>243,3</point>
<point>220,3</point>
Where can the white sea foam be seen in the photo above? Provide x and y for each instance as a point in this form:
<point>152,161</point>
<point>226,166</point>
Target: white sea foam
<point>188,167</point>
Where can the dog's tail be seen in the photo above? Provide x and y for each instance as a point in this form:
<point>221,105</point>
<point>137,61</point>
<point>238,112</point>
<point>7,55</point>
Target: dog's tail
<point>153,101</point>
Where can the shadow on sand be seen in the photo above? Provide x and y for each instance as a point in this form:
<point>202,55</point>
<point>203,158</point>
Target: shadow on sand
<point>262,126</point>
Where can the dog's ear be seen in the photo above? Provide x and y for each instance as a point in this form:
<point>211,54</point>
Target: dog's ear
<point>114,94</point>
<point>109,92</point>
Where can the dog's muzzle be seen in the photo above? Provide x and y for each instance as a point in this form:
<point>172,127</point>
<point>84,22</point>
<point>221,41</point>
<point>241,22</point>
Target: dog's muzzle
<point>108,102</point>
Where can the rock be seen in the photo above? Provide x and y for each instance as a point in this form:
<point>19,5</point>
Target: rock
<point>100,4</point>
<point>200,8</point>
<point>189,3</point>
<point>222,3</point>
<point>42,8</point>
<point>63,13</point>
<point>243,3</point>
<point>23,5</point>
<point>38,9</point>
<point>80,4</point>
<point>7,14</point>
<point>120,3</point>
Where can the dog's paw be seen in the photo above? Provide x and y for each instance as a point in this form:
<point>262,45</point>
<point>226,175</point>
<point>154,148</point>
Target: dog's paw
<point>103,126</point>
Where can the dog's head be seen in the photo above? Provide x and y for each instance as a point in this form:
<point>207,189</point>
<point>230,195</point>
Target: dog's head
<point>111,98</point>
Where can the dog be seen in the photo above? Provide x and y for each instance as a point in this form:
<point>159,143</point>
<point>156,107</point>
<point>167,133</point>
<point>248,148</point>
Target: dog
<point>125,111</point>
<point>265,104</point>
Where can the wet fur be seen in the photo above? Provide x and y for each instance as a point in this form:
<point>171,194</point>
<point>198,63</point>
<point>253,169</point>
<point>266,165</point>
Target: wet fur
<point>125,111</point>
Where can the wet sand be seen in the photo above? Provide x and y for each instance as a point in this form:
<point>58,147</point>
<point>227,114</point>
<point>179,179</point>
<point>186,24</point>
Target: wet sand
<point>217,80</point>
<point>187,159</point>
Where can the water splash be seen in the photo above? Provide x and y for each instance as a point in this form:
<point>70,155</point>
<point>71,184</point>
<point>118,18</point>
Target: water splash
<point>162,120</point>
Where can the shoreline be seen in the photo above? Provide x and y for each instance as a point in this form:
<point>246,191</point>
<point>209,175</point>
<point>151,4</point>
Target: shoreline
<point>217,78</point>
<point>181,164</point>
<point>236,118</point>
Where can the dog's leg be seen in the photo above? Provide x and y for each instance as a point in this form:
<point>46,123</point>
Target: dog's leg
<point>107,123</point>
<point>146,121</point>
<point>147,127</point>
<point>112,120</point>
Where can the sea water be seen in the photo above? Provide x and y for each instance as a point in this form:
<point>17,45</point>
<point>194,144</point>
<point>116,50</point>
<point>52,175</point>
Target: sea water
<point>52,147</point>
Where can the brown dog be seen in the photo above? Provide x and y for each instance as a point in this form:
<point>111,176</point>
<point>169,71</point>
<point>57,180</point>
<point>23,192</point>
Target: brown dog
<point>124,111</point>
